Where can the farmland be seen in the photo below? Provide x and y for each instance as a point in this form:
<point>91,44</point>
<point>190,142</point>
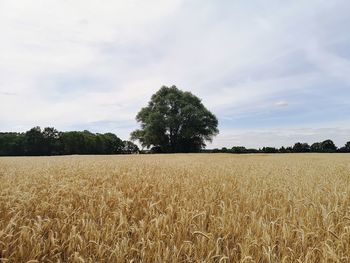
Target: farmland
<point>176,208</point>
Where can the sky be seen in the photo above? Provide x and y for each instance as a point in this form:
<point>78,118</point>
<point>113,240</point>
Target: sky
<point>273,72</point>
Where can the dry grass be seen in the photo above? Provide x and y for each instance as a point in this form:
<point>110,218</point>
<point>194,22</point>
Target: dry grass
<point>176,208</point>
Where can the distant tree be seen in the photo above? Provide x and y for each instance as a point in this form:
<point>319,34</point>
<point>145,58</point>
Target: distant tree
<point>346,148</point>
<point>73,142</point>
<point>51,141</point>
<point>305,147</point>
<point>316,147</point>
<point>130,147</point>
<point>301,147</point>
<point>224,150</point>
<point>97,144</point>
<point>11,143</point>
<point>175,121</point>
<point>289,149</point>
<point>238,149</point>
<point>269,150</point>
<point>92,143</point>
<point>328,146</point>
<point>252,150</point>
<point>34,142</point>
<point>113,144</point>
<point>283,150</point>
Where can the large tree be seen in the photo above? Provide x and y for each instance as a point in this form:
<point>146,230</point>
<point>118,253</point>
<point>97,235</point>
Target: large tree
<point>175,121</point>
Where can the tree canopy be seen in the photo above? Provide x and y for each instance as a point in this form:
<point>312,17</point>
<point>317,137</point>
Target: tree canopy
<point>301,147</point>
<point>326,146</point>
<point>49,141</point>
<point>175,121</point>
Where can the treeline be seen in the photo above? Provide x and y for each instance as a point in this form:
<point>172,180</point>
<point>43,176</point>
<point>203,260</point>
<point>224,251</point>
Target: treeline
<point>326,146</point>
<point>49,141</point>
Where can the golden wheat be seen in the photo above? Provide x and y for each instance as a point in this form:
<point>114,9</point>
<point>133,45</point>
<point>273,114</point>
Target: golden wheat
<point>176,208</point>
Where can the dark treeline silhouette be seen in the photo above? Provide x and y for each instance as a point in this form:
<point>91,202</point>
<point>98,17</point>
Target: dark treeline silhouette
<point>326,146</point>
<point>49,141</point>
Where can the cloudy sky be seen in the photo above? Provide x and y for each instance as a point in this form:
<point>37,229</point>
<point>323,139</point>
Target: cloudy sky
<point>274,72</point>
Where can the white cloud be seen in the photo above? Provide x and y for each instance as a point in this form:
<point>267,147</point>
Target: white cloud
<point>281,103</point>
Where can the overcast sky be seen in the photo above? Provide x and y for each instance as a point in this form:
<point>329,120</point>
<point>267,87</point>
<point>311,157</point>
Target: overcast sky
<point>274,72</point>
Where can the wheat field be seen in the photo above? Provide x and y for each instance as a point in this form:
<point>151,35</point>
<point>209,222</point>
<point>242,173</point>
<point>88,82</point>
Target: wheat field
<point>176,208</point>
